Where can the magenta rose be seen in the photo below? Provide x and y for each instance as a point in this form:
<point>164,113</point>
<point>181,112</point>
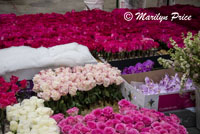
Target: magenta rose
<point>91,124</point>
<point>58,117</point>
<point>109,130</point>
<point>120,127</point>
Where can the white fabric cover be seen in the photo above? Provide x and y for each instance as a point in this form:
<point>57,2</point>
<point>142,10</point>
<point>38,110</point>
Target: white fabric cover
<point>25,62</point>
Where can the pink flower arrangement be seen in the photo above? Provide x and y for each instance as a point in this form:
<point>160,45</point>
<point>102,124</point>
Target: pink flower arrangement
<point>135,121</point>
<point>96,29</point>
<point>54,83</point>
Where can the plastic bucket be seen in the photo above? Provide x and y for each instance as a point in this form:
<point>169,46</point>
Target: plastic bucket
<point>94,4</point>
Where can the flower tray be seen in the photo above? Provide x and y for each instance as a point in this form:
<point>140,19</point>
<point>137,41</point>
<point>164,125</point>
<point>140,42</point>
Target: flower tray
<point>121,64</point>
<point>160,102</point>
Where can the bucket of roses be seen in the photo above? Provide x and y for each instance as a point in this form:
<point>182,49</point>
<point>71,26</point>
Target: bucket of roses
<point>9,95</point>
<point>81,86</point>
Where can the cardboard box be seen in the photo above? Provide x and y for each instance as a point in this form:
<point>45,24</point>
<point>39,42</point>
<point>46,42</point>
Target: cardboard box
<point>160,102</point>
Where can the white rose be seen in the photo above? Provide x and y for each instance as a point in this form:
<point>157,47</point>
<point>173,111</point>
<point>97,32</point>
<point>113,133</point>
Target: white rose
<point>119,80</point>
<point>45,95</point>
<point>13,126</point>
<point>40,103</point>
<point>23,117</point>
<point>44,111</point>
<point>72,90</point>
<point>106,82</point>
<point>32,115</point>
<point>15,116</point>
<point>44,86</point>
<point>55,95</point>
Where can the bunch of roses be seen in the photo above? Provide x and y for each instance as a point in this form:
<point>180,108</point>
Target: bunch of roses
<point>8,91</point>
<point>139,67</point>
<point>54,83</point>
<point>31,117</point>
<point>166,85</point>
<point>96,29</point>
<point>129,120</point>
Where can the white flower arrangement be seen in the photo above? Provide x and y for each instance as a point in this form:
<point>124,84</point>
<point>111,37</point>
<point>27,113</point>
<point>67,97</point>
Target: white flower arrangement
<point>31,117</point>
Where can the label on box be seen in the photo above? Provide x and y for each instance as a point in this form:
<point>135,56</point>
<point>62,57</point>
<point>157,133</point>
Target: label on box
<point>176,101</point>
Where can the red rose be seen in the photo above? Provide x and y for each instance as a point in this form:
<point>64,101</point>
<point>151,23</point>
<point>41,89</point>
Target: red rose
<point>13,79</point>
<point>23,84</point>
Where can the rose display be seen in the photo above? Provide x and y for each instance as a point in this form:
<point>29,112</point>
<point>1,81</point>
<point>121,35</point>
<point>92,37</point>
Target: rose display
<point>78,86</point>
<point>104,32</point>
<point>9,95</point>
<point>129,120</point>
<point>31,117</point>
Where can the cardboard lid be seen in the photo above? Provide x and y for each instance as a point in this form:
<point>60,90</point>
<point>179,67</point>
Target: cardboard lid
<point>156,75</point>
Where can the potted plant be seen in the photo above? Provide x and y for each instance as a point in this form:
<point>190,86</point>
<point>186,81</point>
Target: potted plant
<point>187,61</point>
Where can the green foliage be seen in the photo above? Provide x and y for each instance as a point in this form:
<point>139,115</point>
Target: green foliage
<point>187,59</point>
<point>84,99</point>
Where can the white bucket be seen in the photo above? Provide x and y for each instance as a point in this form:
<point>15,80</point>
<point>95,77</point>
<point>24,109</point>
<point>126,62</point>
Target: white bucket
<point>94,4</point>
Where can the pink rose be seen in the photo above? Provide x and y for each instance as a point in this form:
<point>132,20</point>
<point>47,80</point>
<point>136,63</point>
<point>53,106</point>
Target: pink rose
<point>118,116</point>
<point>58,117</point>
<point>153,131</point>
<point>124,103</point>
<point>129,126</point>
<point>127,119</point>
<point>89,117</point>
<point>173,131</point>
<point>65,129</point>
<point>78,126</point>
<point>115,121</point>
<point>163,131</point>
<point>101,125</point>
<point>97,112</point>
<point>182,130</point>
<point>108,111</point>
<point>79,118</point>
<point>146,129</point>
<point>74,131</point>
<point>73,111</point>
<point>155,124</point>
<point>91,124</point>
<point>139,125</point>
<point>102,118</point>
<point>109,130</point>
<point>145,133</point>
<point>158,128</point>
<point>97,131</point>
<point>85,129</point>
<point>121,128</point>
<point>62,123</point>
<point>174,118</point>
<point>71,120</point>
<point>147,121</point>
<point>132,131</point>
<point>109,123</point>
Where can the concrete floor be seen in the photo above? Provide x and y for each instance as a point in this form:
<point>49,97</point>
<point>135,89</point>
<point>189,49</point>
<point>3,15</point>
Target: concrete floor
<point>61,6</point>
